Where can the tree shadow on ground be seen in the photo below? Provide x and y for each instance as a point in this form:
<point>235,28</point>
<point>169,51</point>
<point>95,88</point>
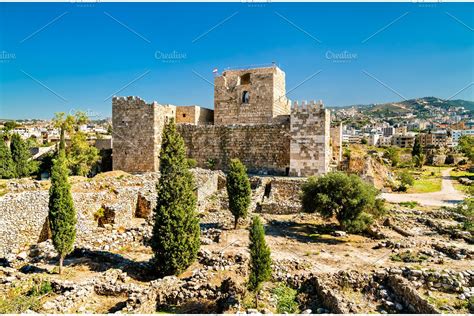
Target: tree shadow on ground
<point>303,232</point>
<point>100,261</point>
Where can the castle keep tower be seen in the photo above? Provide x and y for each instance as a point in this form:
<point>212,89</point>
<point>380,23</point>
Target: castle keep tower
<point>250,96</point>
<point>310,152</point>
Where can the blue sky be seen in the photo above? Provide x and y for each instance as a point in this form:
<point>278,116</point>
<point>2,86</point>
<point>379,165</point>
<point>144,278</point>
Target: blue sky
<point>71,56</point>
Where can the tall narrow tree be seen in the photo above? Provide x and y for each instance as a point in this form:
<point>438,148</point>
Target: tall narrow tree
<point>61,215</point>
<point>20,155</point>
<point>417,149</point>
<point>260,261</point>
<point>176,233</point>
<point>7,167</point>
<point>238,190</point>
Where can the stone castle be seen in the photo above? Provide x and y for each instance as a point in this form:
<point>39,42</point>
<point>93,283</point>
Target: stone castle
<point>252,120</point>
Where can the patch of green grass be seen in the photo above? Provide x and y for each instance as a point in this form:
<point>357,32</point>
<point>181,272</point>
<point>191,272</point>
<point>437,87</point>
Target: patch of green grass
<point>25,296</point>
<point>410,204</point>
<point>408,256</point>
<point>426,180</point>
<point>286,299</point>
<point>456,174</point>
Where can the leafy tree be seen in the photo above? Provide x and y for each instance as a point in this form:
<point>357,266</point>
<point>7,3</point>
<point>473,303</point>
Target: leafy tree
<point>466,146</point>
<point>21,157</point>
<point>406,180</point>
<point>7,166</point>
<point>61,215</point>
<point>260,261</point>
<point>176,232</point>
<point>238,190</point>
<point>9,126</point>
<point>352,201</point>
<point>81,156</point>
<point>393,154</point>
<point>417,149</point>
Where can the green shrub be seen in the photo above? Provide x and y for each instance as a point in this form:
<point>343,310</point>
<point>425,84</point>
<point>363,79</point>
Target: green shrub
<point>192,163</point>
<point>410,204</point>
<point>352,201</point>
<point>286,299</point>
<point>408,256</point>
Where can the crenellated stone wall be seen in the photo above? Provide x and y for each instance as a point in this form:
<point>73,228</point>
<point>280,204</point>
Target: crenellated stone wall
<point>310,152</point>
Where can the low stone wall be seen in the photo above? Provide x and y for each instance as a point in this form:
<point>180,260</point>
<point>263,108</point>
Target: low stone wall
<point>410,296</point>
<point>24,210</point>
<point>281,196</point>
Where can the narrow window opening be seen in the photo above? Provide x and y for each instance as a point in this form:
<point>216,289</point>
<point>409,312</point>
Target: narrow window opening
<point>245,97</point>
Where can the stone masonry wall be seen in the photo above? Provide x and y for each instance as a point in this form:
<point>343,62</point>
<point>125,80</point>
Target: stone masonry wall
<point>262,148</point>
<point>194,115</point>
<point>310,134</point>
<point>266,88</point>
<point>24,209</point>
<point>137,132</point>
<point>336,142</point>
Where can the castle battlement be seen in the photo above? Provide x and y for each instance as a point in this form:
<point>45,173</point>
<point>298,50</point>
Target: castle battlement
<point>305,106</point>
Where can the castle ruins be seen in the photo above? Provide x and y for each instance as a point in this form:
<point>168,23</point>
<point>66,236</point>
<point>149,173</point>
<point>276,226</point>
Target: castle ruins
<point>252,120</point>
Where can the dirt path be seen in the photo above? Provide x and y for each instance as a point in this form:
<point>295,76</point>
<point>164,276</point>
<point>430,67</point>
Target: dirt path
<point>446,197</point>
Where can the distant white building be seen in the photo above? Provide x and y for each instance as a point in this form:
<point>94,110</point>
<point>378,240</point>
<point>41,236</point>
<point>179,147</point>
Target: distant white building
<point>456,134</point>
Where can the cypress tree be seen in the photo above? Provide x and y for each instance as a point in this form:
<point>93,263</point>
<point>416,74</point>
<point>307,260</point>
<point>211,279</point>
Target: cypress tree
<point>417,149</point>
<point>238,190</point>
<point>61,215</point>
<point>260,261</point>
<point>20,155</point>
<point>176,233</point>
<point>7,166</point>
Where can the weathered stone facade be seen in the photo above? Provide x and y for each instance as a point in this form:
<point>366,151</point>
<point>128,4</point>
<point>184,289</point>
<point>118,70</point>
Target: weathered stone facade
<point>194,114</point>
<point>253,121</point>
<point>262,148</point>
<point>336,142</point>
<point>250,96</point>
<point>310,153</point>
<point>137,132</point>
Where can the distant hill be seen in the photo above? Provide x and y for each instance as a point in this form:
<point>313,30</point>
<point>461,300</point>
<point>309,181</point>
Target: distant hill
<point>418,106</point>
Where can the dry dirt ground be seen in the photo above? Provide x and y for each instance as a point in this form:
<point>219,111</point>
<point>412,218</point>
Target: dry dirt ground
<point>301,244</point>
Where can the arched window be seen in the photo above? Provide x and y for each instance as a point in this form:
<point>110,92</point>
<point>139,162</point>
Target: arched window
<point>245,97</point>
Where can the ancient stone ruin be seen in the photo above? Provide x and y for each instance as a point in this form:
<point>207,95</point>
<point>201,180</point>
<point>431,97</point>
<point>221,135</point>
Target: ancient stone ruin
<point>252,120</point>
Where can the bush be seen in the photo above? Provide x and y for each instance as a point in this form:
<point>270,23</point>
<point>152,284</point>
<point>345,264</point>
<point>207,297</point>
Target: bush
<point>192,163</point>
<point>410,204</point>
<point>406,180</point>
<point>286,299</point>
<point>409,257</point>
<point>352,201</point>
